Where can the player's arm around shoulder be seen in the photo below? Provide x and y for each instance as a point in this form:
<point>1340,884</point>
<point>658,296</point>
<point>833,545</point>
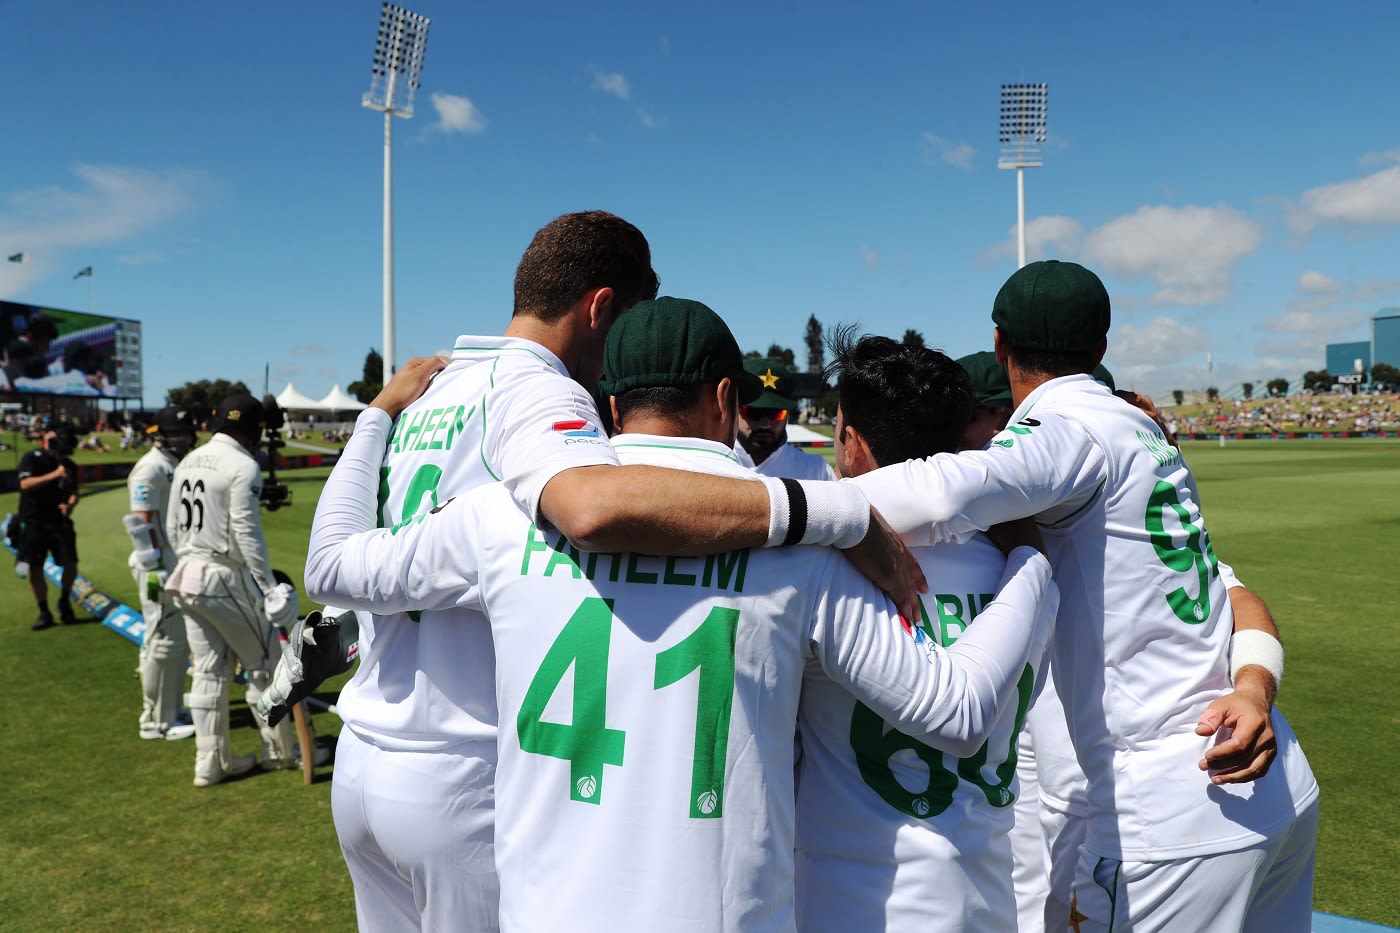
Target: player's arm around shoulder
<point>1036,464</point>
<point>949,697</point>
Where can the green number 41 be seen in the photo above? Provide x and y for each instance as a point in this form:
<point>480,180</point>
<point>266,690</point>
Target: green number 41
<point>588,744</point>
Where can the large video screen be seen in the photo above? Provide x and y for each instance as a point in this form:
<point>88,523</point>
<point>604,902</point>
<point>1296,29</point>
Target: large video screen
<point>56,352</point>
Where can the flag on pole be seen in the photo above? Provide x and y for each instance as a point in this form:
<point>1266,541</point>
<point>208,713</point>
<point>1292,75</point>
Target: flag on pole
<point>16,257</point>
<point>85,270</point>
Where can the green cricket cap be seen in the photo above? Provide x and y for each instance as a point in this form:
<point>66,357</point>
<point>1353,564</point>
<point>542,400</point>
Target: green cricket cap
<point>989,381</point>
<point>1052,305</point>
<point>673,342</point>
<point>774,381</point>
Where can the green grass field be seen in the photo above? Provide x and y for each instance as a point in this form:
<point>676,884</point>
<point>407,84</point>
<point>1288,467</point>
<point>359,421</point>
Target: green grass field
<point>101,831</point>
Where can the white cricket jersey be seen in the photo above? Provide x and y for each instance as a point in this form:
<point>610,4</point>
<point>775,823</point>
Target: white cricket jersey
<point>645,780</point>
<point>505,410</point>
<point>148,484</point>
<point>795,463</point>
<point>1142,644</point>
<point>894,834</point>
<point>213,508</point>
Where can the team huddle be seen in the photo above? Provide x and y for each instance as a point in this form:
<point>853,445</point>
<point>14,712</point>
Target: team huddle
<point>612,677</point>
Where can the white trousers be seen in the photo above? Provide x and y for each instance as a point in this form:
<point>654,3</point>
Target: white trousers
<point>224,619</point>
<point>417,830</point>
<point>1029,871</point>
<point>165,654</point>
<point>1263,889</point>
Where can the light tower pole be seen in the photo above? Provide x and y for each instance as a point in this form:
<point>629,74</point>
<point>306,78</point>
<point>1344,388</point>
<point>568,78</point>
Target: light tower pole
<point>1022,133</point>
<point>398,60</point>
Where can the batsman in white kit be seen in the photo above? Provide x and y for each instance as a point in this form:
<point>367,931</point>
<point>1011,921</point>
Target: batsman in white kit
<point>165,652</point>
<point>224,585</point>
<point>1145,659</point>
<point>645,778</point>
<point>414,786</point>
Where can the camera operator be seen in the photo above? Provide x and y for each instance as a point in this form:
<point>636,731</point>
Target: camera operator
<point>223,583</point>
<point>48,493</point>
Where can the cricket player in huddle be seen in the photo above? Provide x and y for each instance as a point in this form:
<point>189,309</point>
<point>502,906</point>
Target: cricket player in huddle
<point>414,785</point>
<point>165,651</point>
<point>645,777</point>
<point>1145,652</point>
<point>763,443</point>
<point>895,834</point>
<point>224,585</point>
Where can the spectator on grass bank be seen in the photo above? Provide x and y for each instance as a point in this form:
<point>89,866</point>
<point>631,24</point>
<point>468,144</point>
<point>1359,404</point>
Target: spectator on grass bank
<point>48,493</point>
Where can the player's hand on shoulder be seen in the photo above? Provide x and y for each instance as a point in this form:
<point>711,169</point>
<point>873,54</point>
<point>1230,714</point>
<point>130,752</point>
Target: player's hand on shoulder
<point>410,382</point>
<point>883,557</point>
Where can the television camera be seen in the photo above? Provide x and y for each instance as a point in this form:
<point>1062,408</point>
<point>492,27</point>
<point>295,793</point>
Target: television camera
<point>274,495</point>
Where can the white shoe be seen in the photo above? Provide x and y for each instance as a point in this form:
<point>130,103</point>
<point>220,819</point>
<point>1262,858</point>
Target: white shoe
<point>241,764</point>
<point>151,732</point>
<point>179,730</point>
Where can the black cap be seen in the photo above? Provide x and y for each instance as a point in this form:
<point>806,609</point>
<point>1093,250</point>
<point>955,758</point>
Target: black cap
<point>242,412</point>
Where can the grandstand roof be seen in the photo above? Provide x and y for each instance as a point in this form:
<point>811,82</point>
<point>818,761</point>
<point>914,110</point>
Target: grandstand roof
<point>1387,312</point>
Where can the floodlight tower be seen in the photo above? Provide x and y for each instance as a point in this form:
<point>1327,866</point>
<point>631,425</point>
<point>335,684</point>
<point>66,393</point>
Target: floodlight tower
<point>1022,133</point>
<point>398,60</point>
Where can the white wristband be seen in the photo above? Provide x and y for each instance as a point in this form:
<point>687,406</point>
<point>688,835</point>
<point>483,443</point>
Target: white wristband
<point>777,510</point>
<point>838,514</point>
<point>815,512</point>
<point>1252,646</point>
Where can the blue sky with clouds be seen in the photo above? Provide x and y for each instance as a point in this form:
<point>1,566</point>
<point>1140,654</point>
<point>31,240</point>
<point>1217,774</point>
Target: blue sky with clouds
<point>1231,170</point>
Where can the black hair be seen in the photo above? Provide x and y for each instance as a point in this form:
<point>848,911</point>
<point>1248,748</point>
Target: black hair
<point>576,253</point>
<point>908,402</point>
<point>1053,363</point>
<point>660,401</point>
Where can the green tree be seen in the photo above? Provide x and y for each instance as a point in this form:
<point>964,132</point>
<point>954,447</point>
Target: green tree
<point>912,338</point>
<point>1384,372</point>
<point>202,397</point>
<point>1212,393</point>
<point>1178,396</point>
<point>782,354</point>
<point>1317,380</point>
<point>368,386</point>
<point>1248,389</point>
<point>816,349</point>
<point>1278,386</point>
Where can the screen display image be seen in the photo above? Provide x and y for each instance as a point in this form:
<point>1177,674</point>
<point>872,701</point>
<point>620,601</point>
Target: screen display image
<point>51,351</point>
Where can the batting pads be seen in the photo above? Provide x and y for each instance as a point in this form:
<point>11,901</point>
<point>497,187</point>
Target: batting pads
<point>319,647</point>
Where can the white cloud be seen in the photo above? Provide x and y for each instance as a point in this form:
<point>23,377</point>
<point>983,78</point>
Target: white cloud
<point>108,204</point>
<point>1373,199</point>
<point>959,155</point>
<point>648,120</point>
<point>1314,283</point>
<point>308,349</point>
<point>1315,324</point>
<point>1191,252</point>
<point>1156,343</point>
<point>329,372</point>
<point>611,82</point>
<point>1381,158</point>
<point>1046,237</point>
<point>456,114</point>
<point>870,257</point>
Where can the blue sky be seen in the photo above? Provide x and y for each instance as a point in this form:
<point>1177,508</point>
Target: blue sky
<point>1231,170</point>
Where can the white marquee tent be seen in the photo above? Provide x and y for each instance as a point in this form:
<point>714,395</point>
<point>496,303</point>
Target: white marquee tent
<point>292,400</point>
<point>338,400</point>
